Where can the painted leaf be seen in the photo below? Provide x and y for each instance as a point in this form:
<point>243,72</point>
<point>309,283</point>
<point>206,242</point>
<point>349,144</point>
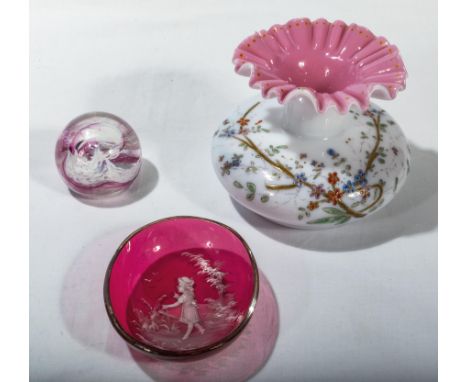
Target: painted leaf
<point>321,221</point>
<point>238,184</point>
<point>337,219</point>
<point>265,198</point>
<point>250,197</point>
<point>334,211</point>
<point>343,219</point>
<point>251,187</point>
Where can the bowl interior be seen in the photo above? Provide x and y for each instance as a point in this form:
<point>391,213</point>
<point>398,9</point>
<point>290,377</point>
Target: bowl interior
<point>181,284</point>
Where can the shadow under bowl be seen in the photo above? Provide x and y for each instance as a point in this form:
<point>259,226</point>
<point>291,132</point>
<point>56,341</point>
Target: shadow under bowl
<point>181,286</point>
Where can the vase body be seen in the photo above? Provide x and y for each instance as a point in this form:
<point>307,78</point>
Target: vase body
<point>310,170</point>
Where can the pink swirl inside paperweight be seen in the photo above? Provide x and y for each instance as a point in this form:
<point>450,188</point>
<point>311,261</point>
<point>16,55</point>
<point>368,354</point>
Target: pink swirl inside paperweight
<point>98,153</point>
<point>181,286</point>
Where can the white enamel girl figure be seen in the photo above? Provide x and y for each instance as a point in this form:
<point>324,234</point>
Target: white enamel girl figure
<point>189,313</point>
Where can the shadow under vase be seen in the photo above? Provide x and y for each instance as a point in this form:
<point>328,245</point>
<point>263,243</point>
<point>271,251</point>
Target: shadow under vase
<point>412,212</point>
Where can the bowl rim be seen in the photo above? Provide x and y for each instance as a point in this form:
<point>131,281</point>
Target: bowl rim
<point>153,350</point>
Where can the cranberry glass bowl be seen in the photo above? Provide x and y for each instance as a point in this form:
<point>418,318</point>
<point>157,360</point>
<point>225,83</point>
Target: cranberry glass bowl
<point>181,286</point>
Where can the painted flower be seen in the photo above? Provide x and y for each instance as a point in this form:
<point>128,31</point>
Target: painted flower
<point>348,187</point>
<point>236,160</point>
<point>333,153</point>
<point>299,179</point>
<point>233,163</point>
<point>394,150</point>
<point>360,179</point>
<point>365,193</point>
<point>365,65</point>
<point>317,191</point>
<point>368,113</point>
<point>225,169</point>
<point>312,206</point>
<point>243,122</point>
<point>227,132</point>
<point>333,178</point>
<point>334,196</point>
<point>317,164</point>
<point>302,156</point>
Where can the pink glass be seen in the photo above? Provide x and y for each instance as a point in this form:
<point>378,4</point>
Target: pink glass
<point>333,64</point>
<point>181,286</point>
<point>98,153</point>
<point>239,361</point>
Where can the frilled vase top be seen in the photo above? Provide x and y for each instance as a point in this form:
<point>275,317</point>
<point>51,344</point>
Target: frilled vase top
<point>335,65</point>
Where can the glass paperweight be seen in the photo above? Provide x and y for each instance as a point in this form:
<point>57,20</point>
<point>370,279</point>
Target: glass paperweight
<point>98,153</point>
<point>181,286</point>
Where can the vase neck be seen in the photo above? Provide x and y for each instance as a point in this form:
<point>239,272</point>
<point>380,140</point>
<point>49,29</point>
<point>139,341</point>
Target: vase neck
<point>301,118</point>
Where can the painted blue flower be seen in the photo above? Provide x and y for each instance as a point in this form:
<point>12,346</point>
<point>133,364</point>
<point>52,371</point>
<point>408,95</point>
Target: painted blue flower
<point>331,152</point>
<point>228,133</point>
<point>348,187</point>
<point>317,164</point>
<point>360,179</point>
<point>300,178</point>
<point>236,160</point>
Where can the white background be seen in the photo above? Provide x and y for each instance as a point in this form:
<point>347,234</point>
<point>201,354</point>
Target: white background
<point>355,304</point>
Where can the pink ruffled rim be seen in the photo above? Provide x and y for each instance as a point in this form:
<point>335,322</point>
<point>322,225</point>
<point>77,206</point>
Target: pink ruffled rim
<point>380,71</point>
